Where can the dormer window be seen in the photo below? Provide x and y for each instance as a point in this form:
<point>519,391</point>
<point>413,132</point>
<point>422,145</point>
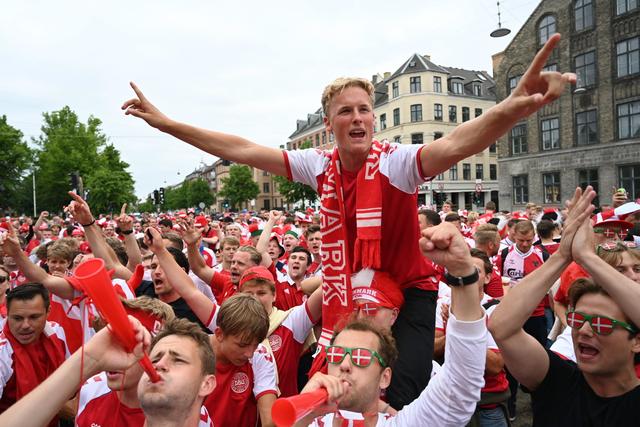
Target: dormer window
<point>477,89</point>
<point>457,87</point>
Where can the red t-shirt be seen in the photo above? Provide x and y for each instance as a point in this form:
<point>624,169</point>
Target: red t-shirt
<point>494,287</point>
<point>222,287</point>
<point>99,406</point>
<point>234,402</point>
<point>568,276</point>
<point>288,294</point>
<point>400,175</point>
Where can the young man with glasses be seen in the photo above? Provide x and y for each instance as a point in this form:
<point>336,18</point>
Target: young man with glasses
<point>603,389</point>
<point>360,357</point>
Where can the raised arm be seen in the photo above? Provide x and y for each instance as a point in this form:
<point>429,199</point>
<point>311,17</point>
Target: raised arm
<point>125,224</point>
<point>191,237</point>
<point>526,358</point>
<point>536,89</point>
<point>57,285</point>
<point>228,147</point>
<point>179,279</point>
<point>263,242</point>
<point>82,213</point>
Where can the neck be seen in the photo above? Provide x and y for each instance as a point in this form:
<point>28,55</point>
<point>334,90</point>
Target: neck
<point>613,385</point>
<point>169,297</point>
<point>173,419</point>
<point>129,397</point>
<point>352,163</point>
<point>370,418</point>
<point>226,265</point>
<point>220,357</point>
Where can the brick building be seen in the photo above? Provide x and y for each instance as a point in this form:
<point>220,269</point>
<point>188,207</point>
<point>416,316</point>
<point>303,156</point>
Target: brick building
<point>591,135</point>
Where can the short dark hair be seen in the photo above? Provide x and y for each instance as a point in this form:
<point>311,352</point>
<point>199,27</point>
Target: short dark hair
<point>545,229</point>
<point>313,228</point>
<point>27,292</point>
<point>431,216</point>
<point>118,247</point>
<point>477,253</point>
<point>184,328</point>
<point>490,205</point>
<point>302,249</point>
<point>180,258</point>
<point>386,344</point>
<point>452,216</point>
<point>166,222</point>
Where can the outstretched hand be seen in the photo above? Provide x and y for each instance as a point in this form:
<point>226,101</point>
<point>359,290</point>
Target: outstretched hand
<point>124,221</point>
<point>9,242</point>
<point>142,108</point>
<point>538,88</point>
<point>190,234</point>
<point>80,209</point>
<point>579,211</point>
<point>153,240</point>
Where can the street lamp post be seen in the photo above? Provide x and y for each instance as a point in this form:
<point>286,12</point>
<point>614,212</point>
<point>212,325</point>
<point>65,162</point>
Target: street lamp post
<point>34,193</point>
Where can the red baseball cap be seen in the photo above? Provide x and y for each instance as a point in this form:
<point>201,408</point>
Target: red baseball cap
<point>257,272</point>
<point>378,287</point>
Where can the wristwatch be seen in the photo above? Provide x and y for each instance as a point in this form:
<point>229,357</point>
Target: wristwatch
<point>125,232</point>
<point>462,281</point>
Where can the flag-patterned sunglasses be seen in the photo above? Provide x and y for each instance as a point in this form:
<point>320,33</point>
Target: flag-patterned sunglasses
<point>368,308</point>
<point>361,357</point>
<point>610,233</point>
<point>615,246</point>
<point>601,325</point>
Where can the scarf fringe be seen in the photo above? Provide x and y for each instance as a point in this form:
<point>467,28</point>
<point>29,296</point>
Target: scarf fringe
<point>367,252</point>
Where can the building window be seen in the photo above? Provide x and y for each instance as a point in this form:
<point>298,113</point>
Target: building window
<point>586,69</point>
<point>551,187</point>
<point>479,171</point>
<point>583,14</point>
<point>628,57</point>
<point>437,112</point>
<point>493,148</point>
<point>457,88</point>
<point>331,137</point>
<point>589,177</point>
<point>396,116</point>
<point>587,127</point>
<point>416,113</point>
<point>437,135</point>
<point>477,89</point>
<point>324,138</point>
<point>624,6</point>
<point>453,173</point>
<point>550,67</point>
<point>414,85</point>
<point>629,179</point>
<point>383,121</point>
<point>395,89</point>
<point>417,138</point>
<point>493,172</point>
<point>546,29</point>
<point>265,187</point>
<point>466,171</point>
<point>518,137</point>
<point>453,113</point>
<point>478,112</point>
<point>629,120</point>
<point>465,114</point>
<point>513,82</point>
<point>520,189</point>
<point>437,84</point>
<point>550,134</point>
<point>267,204</point>
<point>397,139</point>
<point>317,140</point>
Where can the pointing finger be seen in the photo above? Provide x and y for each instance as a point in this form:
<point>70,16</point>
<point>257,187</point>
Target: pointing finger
<point>541,58</point>
<point>138,91</point>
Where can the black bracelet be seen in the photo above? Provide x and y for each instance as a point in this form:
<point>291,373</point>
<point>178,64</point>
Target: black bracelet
<point>90,224</point>
<point>125,232</point>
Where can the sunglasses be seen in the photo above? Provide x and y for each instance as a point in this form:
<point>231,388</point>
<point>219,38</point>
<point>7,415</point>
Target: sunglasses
<point>361,357</point>
<point>610,233</point>
<point>368,308</point>
<point>4,279</point>
<point>615,246</point>
<point>601,325</point>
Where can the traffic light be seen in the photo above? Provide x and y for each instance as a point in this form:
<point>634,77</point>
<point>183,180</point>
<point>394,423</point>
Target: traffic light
<point>156,197</point>
<point>161,196</point>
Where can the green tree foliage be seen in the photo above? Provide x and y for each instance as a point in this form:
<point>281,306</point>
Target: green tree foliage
<point>189,194</point>
<point>239,186</point>
<point>15,159</point>
<point>199,192</point>
<point>67,145</point>
<point>294,192</point>
<point>146,206</point>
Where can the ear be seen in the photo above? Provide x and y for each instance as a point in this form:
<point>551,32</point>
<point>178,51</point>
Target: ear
<point>635,344</point>
<point>394,315</point>
<point>219,335</point>
<point>385,378</point>
<point>487,278</point>
<point>207,386</point>
<point>327,124</point>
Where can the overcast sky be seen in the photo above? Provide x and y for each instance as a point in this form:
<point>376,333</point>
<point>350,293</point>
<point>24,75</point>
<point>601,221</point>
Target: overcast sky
<point>250,67</point>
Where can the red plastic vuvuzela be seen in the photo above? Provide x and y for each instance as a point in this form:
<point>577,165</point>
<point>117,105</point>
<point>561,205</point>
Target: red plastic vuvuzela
<point>96,282</point>
<point>286,411</point>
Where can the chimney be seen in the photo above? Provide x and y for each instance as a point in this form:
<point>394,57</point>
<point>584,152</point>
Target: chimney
<point>427,57</point>
<point>387,74</point>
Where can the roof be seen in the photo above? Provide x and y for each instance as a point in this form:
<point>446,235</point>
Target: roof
<point>471,76</point>
<point>417,64</point>
<point>312,121</point>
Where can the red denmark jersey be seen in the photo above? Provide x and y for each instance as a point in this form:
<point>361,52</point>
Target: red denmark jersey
<point>288,294</point>
<point>494,287</point>
<point>569,275</point>
<point>238,388</point>
<point>400,175</point>
<point>517,265</point>
<point>286,343</point>
<point>222,287</point>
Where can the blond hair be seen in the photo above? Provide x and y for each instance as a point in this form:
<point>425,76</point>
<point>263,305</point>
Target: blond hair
<point>243,316</point>
<point>337,86</point>
<point>153,306</point>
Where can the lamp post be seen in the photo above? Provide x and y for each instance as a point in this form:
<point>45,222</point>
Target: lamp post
<point>34,193</point>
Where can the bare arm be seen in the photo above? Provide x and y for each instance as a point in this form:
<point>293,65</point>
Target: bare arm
<point>191,237</point>
<point>535,90</point>
<point>314,304</point>
<point>125,224</point>
<point>309,285</point>
<point>526,358</point>
<point>494,363</point>
<point>439,343</point>
<point>265,402</point>
<point>228,147</point>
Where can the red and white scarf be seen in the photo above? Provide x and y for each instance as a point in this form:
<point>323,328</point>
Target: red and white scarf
<point>336,263</point>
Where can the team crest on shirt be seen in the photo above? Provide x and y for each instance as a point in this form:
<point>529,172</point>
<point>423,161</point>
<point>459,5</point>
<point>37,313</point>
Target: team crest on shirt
<point>275,341</point>
<point>239,382</point>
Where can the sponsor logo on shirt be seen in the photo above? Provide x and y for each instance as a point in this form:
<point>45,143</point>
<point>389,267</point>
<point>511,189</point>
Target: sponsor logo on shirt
<point>239,382</point>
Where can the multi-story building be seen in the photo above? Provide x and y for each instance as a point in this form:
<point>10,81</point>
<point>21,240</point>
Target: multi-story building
<point>422,102</point>
<point>590,136</point>
<point>311,132</point>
